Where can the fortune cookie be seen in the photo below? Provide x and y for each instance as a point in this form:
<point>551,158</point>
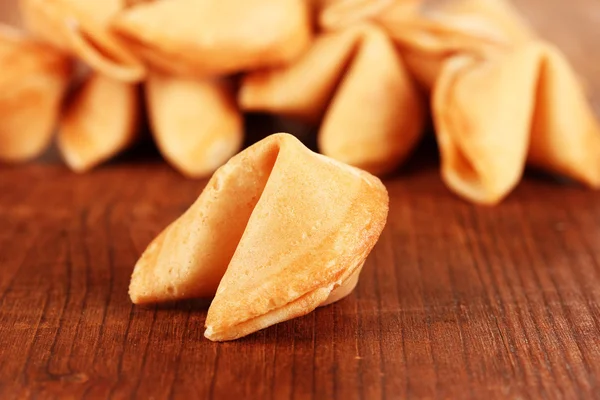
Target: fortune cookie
<point>372,113</point>
<point>216,37</point>
<point>494,115</point>
<point>83,28</point>
<point>195,122</point>
<point>277,232</point>
<point>100,121</point>
<point>33,81</point>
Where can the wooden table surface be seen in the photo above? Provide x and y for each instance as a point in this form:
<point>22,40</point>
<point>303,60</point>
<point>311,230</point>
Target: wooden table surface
<point>456,301</point>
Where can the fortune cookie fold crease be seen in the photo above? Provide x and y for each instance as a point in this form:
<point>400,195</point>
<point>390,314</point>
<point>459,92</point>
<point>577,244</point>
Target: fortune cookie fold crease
<point>33,82</point>
<point>216,37</point>
<point>277,232</point>
<point>341,74</point>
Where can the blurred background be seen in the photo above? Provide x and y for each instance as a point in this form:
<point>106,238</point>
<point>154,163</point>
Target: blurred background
<point>550,18</point>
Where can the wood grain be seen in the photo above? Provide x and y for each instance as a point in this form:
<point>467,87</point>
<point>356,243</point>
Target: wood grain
<point>455,302</point>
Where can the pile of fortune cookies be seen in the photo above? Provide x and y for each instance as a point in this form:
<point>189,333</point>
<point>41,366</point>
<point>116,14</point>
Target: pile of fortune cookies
<point>369,74</point>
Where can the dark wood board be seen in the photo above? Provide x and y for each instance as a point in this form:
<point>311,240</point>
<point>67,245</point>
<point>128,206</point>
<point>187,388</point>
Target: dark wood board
<point>456,300</point>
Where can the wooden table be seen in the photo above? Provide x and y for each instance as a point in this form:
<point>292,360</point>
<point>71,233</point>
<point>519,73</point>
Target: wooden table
<point>456,301</point>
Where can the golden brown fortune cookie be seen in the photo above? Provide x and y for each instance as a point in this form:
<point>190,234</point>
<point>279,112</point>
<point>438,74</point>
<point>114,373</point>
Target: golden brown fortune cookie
<point>83,28</point>
<point>195,122</point>
<point>100,121</point>
<point>355,80</point>
<point>493,116</point>
<point>442,29</point>
<point>277,232</point>
<point>216,37</point>
<point>33,81</point>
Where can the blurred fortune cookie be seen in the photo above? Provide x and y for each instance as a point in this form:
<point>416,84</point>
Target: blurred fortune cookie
<point>501,99</point>
<point>195,122</point>
<point>102,116</point>
<point>529,109</point>
<point>277,232</point>
<point>355,81</point>
<point>33,82</point>
<point>207,38</point>
<point>101,120</point>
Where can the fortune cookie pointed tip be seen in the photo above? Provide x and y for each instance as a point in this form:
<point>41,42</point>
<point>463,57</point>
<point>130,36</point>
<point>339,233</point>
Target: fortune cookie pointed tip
<point>208,332</point>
